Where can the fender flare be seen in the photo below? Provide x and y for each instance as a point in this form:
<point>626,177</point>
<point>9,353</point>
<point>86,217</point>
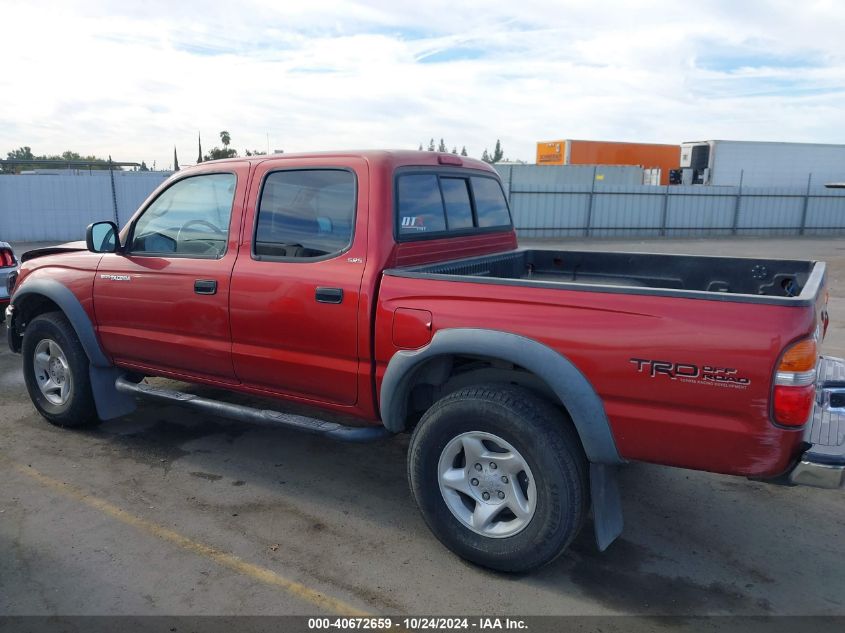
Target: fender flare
<point>61,295</point>
<point>558,372</point>
<point>109,401</point>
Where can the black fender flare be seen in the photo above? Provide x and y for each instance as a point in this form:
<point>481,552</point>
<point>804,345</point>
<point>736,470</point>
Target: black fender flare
<point>558,372</point>
<point>568,383</point>
<point>109,401</point>
<point>61,295</point>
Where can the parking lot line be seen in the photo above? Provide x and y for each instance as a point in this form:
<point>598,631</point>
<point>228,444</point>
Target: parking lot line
<point>261,574</point>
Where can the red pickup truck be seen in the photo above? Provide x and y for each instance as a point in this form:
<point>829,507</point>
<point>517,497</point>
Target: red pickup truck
<point>387,289</point>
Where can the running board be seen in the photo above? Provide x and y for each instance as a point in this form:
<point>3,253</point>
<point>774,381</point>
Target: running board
<point>250,414</point>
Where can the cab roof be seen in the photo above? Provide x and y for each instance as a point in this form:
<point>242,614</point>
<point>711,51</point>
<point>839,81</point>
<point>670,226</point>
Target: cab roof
<point>394,158</point>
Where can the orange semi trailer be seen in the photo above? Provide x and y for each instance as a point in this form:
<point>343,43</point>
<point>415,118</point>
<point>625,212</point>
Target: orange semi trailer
<point>645,155</point>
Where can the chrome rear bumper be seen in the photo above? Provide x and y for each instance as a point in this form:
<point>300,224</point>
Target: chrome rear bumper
<point>823,464</point>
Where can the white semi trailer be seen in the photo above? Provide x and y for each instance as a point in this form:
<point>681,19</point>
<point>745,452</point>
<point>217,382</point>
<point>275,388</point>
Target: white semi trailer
<point>761,164</point>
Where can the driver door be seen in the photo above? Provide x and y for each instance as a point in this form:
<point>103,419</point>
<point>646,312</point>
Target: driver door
<point>163,304</point>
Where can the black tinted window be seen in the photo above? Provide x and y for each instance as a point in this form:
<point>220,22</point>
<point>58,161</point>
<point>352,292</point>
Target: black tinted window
<point>420,205</point>
<point>458,206</point>
<point>490,205</point>
<point>307,213</point>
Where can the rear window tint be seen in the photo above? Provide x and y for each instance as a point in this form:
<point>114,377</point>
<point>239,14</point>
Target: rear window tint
<point>458,206</point>
<point>305,213</point>
<point>420,205</point>
<point>490,205</point>
<point>437,203</point>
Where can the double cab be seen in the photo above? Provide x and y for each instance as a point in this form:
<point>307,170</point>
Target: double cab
<point>386,291</point>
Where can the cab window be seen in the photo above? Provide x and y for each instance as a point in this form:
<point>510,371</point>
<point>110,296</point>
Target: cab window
<point>305,214</point>
<point>490,205</point>
<point>190,218</point>
<point>436,204</point>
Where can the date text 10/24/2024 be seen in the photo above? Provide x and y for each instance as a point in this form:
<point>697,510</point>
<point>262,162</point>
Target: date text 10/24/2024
<point>418,623</point>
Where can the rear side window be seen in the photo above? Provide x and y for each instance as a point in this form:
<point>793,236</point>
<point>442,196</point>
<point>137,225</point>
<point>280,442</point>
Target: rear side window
<point>490,205</point>
<point>305,213</point>
<point>428,203</point>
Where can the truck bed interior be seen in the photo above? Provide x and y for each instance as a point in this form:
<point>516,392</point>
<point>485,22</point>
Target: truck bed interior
<point>763,278</point>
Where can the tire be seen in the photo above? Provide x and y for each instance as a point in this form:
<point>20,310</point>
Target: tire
<point>59,384</point>
<point>502,417</point>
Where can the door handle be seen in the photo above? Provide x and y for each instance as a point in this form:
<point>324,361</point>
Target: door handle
<point>205,286</point>
<point>329,295</point>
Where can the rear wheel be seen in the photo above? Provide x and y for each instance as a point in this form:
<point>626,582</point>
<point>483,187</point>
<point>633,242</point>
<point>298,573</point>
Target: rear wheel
<point>56,372</point>
<point>499,476</point>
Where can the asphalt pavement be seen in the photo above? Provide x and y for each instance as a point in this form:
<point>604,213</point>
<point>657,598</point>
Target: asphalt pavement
<point>169,512</point>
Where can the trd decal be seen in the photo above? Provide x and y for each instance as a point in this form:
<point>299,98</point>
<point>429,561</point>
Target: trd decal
<point>687,372</point>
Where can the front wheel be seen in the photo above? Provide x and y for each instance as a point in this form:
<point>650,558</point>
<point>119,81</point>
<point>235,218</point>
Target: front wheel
<point>56,371</point>
<point>499,476</point>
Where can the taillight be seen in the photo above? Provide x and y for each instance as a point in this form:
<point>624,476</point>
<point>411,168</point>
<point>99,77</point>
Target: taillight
<point>795,387</point>
<point>7,258</point>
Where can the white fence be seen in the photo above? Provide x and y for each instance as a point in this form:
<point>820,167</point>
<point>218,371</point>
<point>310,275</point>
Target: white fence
<point>544,204</point>
<point>542,207</point>
<point>676,211</point>
<point>35,208</point>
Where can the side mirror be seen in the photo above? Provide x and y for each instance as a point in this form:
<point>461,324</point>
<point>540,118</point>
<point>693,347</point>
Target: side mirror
<point>101,237</point>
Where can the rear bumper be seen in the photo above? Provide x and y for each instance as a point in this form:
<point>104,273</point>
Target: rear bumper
<point>823,464</point>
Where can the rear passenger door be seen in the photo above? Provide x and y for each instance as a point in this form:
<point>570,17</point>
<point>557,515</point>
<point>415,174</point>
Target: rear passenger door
<point>296,284</point>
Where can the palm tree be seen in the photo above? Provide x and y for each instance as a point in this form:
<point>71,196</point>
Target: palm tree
<point>225,138</point>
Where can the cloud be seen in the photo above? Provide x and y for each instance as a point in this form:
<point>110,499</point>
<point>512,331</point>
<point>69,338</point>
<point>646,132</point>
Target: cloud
<point>133,79</point>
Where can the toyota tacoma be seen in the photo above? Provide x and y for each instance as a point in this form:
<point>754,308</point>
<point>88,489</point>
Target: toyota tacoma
<point>387,291</point>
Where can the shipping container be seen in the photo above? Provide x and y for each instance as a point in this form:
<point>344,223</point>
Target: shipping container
<point>761,164</point>
<point>649,156</point>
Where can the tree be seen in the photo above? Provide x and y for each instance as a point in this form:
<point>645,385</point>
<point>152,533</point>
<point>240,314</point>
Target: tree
<point>464,151</point>
<point>22,153</point>
<point>175,160</point>
<point>485,156</point>
<point>52,160</point>
<point>216,153</point>
<point>431,145</point>
<point>442,146</point>
<point>143,167</point>
<point>498,153</point>
<point>255,152</point>
<point>420,148</point>
<point>455,149</point>
<point>199,146</point>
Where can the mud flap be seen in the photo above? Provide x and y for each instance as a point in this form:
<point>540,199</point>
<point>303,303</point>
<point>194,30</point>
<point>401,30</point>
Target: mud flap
<point>109,401</point>
<point>606,504</point>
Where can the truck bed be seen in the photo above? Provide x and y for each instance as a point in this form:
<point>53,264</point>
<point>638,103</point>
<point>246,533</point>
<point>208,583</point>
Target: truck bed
<point>775,281</point>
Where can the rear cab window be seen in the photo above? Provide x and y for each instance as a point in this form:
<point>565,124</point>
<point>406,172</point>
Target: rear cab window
<point>441,203</point>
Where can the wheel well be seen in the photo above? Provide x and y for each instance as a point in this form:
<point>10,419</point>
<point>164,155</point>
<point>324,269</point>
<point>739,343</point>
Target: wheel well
<point>440,376</point>
<point>27,309</point>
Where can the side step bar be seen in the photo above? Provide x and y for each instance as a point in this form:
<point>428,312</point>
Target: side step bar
<point>250,414</point>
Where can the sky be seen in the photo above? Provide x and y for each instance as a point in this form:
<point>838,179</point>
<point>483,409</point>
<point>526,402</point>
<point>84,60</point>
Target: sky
<point>134,79</point>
